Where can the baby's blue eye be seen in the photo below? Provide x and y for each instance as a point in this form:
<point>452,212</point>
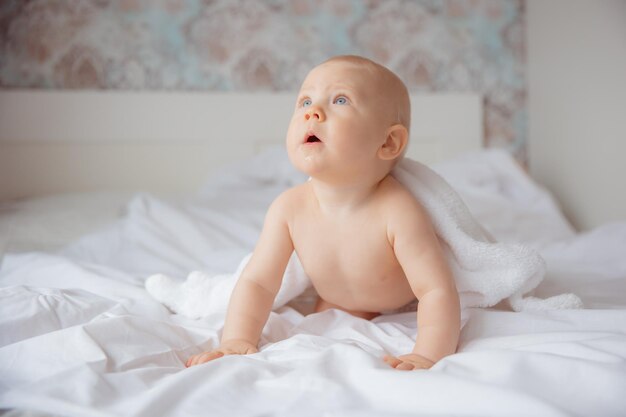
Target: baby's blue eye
<point>307,102</point>
<point>341,100</point>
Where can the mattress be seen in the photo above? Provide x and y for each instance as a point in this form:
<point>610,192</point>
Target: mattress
<point>80,336</point>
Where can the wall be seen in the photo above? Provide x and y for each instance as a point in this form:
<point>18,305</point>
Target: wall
<point>249,45</point>
<point>577,105</point>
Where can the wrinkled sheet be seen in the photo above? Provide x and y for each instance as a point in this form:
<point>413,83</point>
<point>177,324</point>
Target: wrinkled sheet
<point>79,336</point>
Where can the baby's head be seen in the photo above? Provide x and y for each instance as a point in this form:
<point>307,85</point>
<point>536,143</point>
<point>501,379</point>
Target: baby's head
<point>352,118</point>
<point>391,93</point>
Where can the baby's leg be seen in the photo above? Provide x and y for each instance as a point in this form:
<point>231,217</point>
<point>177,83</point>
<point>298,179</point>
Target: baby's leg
<point>323,305</point>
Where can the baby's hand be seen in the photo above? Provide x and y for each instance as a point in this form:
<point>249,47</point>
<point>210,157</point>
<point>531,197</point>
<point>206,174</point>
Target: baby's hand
<point>409,362</point>
<point>230,347</point>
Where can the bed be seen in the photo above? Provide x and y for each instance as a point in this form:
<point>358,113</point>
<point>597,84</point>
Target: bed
<point>108,188</point>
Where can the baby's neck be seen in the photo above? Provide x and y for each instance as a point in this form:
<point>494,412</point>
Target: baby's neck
<point>345,198</point>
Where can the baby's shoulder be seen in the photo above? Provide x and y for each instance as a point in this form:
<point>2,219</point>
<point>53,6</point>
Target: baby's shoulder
<point>294,194</point>
<point>395,195</point>
<point>398,201</point>
<point>290,199</point>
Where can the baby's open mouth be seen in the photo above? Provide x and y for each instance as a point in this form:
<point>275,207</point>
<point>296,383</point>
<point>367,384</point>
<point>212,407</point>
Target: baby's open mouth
<point>312,139</point>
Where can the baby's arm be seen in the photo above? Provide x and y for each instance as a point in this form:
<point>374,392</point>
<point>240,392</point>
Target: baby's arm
<point>419,253</point>
<point>254,293</point>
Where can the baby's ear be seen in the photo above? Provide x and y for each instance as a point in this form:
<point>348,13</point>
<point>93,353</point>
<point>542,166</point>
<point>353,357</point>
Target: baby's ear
<point>396,141</point>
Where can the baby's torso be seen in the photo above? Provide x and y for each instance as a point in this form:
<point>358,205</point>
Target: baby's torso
<point>350,259</point>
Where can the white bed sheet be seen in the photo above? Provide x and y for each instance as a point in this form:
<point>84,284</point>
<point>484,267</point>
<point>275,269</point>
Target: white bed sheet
<point>80,336</point>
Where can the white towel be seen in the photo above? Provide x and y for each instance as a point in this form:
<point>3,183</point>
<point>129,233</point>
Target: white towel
<point>486,272</point>
<point>201,295</point>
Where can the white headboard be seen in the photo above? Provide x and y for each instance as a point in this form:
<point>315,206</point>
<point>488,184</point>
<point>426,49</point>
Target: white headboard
<point>162,142</point>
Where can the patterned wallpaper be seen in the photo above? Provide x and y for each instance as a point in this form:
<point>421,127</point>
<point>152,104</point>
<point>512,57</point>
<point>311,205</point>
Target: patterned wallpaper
<point>433,45</point>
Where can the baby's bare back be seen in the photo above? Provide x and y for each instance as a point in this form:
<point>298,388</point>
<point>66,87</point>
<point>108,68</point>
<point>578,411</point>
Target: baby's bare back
<point>349,257</point>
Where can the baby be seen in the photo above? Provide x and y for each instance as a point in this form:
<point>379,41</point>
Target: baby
<point>363,239</point>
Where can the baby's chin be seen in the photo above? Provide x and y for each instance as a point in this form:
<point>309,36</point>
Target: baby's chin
<point>309,163</point>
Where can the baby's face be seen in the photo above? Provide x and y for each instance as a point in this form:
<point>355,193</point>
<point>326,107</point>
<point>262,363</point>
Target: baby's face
<point>340,121</point>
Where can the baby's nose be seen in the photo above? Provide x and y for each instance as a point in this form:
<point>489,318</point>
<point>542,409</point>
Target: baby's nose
<point>315,112</point>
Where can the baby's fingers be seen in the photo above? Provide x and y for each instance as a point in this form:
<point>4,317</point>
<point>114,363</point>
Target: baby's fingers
<point>392,360</point>
<point>398,363</point>
<point>405,366</point>
<point>204,357</point>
